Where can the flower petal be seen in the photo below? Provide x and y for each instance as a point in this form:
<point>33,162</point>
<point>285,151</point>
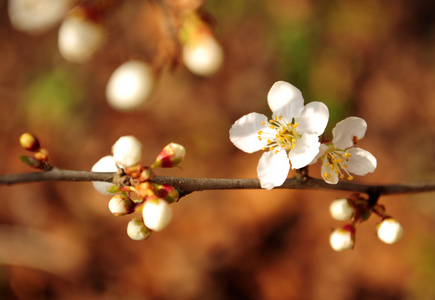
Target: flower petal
<point>314,118</point>
<point>273,169</point>
<point>322,150</point>
<point>305,151</point>
<point>345,131</point>
<point>361,161</point>
<point>327,174</point>
<point>244,132</point>
<point>285,100</point>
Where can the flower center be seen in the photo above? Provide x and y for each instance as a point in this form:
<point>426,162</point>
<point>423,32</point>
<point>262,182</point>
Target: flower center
<point>336,160</point>
<point>284,136</point>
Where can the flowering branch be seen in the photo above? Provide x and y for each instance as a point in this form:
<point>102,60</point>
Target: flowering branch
<point>190,185</point>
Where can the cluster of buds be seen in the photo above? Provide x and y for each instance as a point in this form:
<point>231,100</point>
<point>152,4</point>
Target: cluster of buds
<point>150,199</point>
<point>39,160</point>
<point>357,209</point>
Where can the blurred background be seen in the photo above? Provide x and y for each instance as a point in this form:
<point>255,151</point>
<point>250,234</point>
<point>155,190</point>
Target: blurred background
<point>373,59</point>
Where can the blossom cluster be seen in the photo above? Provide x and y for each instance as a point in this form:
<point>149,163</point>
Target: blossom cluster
<point>141,194</point>
<point>357,209</point>
<point>291,139</point>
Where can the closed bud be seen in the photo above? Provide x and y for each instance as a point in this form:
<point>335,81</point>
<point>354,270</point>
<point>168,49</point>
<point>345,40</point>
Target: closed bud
<point>343,238</point>
<point>105,164</point>
<point>29,142</point>
<point>389,230</point>
<point>137,231</point>
<point>127,151</point>
<point>156,214</point>
<point>167,192</point>
<point>170,156</point>
<point>130,86</point>
<point>341,209</point>
<point>121,205</point>
<point>80,35</point>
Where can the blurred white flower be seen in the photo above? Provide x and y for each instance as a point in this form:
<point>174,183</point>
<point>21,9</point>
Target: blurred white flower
<point>127,151</point>
<point>291,135</point>
<point>79,37</point>
<point>105,164</point>
<point>390,231</point>
<point>36,16</point>
<point>130,85</point>
<point>341,209</point>
<point>343,238</point>
<point>203,55</point>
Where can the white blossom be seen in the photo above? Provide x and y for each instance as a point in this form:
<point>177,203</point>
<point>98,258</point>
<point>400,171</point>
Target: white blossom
<point>290,136</point>
<point>340,158</point>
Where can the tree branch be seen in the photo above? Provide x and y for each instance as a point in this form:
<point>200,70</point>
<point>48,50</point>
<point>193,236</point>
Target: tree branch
<point>190,185</point>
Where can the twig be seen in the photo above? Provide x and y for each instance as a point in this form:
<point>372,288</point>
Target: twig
<point>190,185</point>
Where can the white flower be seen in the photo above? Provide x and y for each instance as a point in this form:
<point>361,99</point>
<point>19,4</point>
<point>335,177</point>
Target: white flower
<point>390,231</point>
<point>137,231</point>
<point>343,238</point>
<point>340,157</point>
<point>156,214</point>
<point>105,164</point>
<point>79,37</point>
<point>341,209</point>
<point>291,134</point>
<point>127,151</point>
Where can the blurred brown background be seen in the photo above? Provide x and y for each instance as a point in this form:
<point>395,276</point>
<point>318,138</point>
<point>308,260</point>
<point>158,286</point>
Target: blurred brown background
<point>373,59</point>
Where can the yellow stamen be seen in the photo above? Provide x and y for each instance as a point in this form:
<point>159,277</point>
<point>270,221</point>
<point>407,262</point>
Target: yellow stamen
<point>350,177</point>
<point>262,123</point>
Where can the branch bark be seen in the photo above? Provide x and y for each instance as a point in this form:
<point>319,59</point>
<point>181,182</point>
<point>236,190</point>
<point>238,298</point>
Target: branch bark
<point>190,185</point>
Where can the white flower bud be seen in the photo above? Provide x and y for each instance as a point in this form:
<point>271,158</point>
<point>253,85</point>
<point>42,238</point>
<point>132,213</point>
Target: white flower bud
<point>203,55</point>
<point>341,209</point>
<point>127,151</point>
<point>389,231</point>
<point>343,238</point>
<point>105,164</point>
<point>137,231</point>
<point>121,205</point>
<point>130,85</point>
<point>36,16</point>
<point>156,214</point>
<point>79,38</point>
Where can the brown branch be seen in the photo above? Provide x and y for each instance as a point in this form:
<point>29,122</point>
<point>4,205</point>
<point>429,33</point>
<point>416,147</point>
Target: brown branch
<point>190,185</point>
